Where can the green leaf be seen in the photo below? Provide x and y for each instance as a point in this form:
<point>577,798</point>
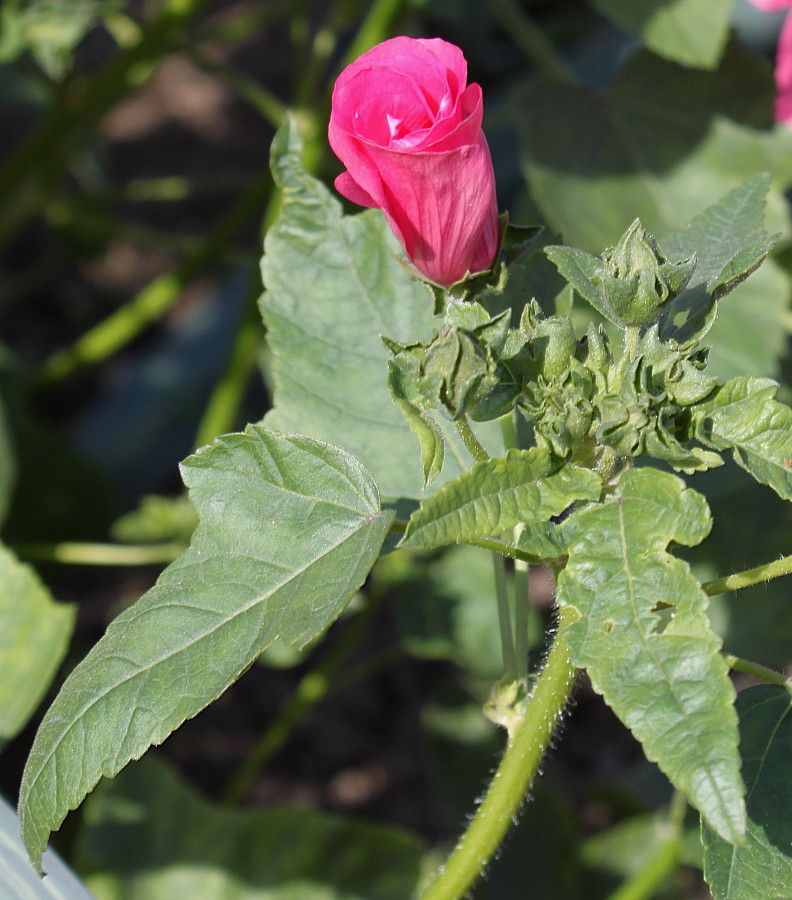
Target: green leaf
<point>525,486</point>
<point>664,678</point>
<point>729,242</point>
<point>692,32</point>
<point>334,285</point>
<point>423,426</point>
<point>19,880</point>
<point>289,528</point>
<point>34,636</point>
<point>742,415</point>
<point>660,155</point>
<point>135,844</point>
<point>760,867</point>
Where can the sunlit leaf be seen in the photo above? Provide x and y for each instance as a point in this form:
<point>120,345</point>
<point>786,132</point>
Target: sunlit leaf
<point>289,528</point>
<point>525,487</point>
<point>664,678</point>
<point>334,285</point>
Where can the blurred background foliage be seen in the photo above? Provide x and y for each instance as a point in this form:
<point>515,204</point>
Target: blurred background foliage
<point>134,192</point>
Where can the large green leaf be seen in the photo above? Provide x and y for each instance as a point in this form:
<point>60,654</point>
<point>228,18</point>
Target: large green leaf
<point>136,847</point>
<point>289,528</point>
<point>664,678</point>
<point>18,879</point>
<point>34,635</point>
<point>334,285</point>
<point>742,415</point>
<point>659,153</point>
<point>759,868</point>
<point>692,32</point>
<point>525,486</point>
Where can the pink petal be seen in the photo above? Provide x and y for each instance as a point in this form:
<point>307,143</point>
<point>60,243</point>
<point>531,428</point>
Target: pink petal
<point>783,74</point>
<point>346,185</point>
<point>772,5</point>
<point>443,208</point>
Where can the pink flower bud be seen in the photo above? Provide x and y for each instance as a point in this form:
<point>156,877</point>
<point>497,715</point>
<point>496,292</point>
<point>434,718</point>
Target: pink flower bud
<point>408,130</point>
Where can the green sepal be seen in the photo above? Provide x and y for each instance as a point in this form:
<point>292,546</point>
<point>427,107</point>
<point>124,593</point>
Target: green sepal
<point>630,283</point>
<point>423,426</point>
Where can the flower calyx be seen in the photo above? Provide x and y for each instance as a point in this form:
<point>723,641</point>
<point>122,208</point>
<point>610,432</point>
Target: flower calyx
<point>629,284</point>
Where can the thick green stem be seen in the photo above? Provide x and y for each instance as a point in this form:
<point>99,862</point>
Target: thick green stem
<point>153,301</point>
<point>758,671</point>
<point>82,554</point>
<point>470,440</point>
<point>749,577</point>
<point>533,728</point>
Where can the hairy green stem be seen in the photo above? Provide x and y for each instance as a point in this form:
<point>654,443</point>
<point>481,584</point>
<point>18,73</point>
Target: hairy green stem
<point>155,299</point>
<point>470,440</point>
<point>665,859</point>
<point>534,725</point>
<point>522,600</point>
<point>757,670</point>
<point>530,38</point>
<point>89,554</point>
<point>749,577</point>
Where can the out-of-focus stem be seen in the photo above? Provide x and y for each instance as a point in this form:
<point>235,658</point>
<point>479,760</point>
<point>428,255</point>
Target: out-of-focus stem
<point>156,298</point>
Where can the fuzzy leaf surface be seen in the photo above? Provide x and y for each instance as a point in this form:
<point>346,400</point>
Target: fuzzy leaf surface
<point>334,285</point>
<point>742,415</point>
<point>692,32</point>
<point>34,636</point>
<point>497,494</point>
<point>761,867</point>
<point>289,528</point>
<point>277,853</point>
<point>665,679</point>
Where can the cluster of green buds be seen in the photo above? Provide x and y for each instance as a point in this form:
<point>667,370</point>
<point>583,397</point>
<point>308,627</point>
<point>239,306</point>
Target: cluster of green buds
<point>579,397</point>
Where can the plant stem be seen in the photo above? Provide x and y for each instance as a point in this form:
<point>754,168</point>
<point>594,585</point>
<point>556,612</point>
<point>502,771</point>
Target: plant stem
<point>313,688</point>
<point>521,588</point>
<point>87,554</point>
<point>470,440</point>
<point>377,25</point>
<point>510,669</point>
<point>526,745</point>
<point>757,670</point>
<point>642,886</point>
<point>749,577</point>
<point>530,38</point>
<point>155,299</point>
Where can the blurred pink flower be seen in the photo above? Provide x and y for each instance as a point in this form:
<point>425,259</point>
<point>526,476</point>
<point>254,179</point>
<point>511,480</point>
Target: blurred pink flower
<point>408,130</point>
<point>783,69</point>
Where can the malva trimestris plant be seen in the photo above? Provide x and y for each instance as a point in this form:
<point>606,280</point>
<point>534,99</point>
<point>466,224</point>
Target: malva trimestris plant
<point>513,429</point>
